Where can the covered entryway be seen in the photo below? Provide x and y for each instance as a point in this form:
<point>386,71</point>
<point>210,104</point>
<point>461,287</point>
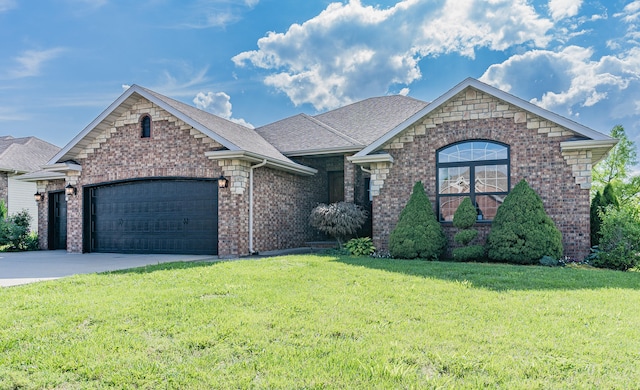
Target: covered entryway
<point>175,216</point>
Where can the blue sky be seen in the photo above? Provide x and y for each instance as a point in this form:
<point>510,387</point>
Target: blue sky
<point>62,62</point>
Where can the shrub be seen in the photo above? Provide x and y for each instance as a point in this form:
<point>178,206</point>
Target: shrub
<point>417,233</point>
<point>339,220</point>
<point>522,232</point>
<point>620,241</point>
<point>15,233</point>
<point>464,218</point>
<point>360,246</point>
<point>599,205</point>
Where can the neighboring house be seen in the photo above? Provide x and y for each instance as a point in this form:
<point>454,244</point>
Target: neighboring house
<point>143,176</point>
<point>19,156</point>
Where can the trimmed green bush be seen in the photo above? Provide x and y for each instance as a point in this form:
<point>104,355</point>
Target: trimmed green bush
<point>522,232</point>
<point>418,233</point>
<point>464,218</point>
<point>620,242</point>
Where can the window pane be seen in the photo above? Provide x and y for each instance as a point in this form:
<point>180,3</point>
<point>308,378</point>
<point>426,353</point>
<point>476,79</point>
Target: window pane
<point>472,151</point>
<point>448,206</point>
<point>491,178</point>
<point>454,180</point>
<point>488,205</point>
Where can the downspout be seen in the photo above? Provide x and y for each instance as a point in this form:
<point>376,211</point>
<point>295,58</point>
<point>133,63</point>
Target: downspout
<point>263,163</point>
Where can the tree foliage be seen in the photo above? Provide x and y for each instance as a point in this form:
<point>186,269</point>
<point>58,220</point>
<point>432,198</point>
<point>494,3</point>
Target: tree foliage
<point>15,232</point>
<point>418,232</point>
<point>339,220</point>
<point>522,232</point>
<point>616,166</point>
<point>599,205</point>
<point>620,242</point>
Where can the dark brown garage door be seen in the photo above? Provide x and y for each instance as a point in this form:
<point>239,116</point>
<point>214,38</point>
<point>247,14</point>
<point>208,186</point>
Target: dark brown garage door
<point>153,216</point>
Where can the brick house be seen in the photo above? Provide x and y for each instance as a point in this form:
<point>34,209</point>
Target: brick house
<point>143,177</point>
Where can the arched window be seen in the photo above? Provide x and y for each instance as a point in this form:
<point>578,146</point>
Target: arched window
<point>483,163</point>
<point>145,127</point>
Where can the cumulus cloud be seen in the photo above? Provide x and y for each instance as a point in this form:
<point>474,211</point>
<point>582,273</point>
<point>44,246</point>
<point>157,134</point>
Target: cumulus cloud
<point>350,51</point>
<point>218,103</point>
<point>574,77</point>
<point>560,9</point>
<point>30,62</point>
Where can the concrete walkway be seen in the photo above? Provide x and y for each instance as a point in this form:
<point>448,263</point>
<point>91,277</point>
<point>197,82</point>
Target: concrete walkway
<point>27,267</point>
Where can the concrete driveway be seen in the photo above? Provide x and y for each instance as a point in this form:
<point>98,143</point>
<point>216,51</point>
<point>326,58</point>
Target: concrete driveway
<point>28,267</point>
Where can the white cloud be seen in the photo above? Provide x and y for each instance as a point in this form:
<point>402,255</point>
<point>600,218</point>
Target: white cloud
<point>6,5</point>
<point>30,62</point>
<point>570,79</point>
<point>218,103</point>
<point>350,51</point>
<point>560,9</point>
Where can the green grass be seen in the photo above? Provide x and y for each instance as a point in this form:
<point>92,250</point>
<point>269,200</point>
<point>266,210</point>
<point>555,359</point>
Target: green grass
<point>324,322</point>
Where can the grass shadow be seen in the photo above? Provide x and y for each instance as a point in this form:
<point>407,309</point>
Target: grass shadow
<point>504,277</point>
<point>176,265</point>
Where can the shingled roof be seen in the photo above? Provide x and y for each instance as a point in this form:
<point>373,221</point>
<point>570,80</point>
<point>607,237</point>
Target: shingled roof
<point>25,154</point>
<point>348,128</point>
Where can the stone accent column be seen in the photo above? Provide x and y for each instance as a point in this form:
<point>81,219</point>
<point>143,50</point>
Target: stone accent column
<point>233,209</point>
<point>349,181</point>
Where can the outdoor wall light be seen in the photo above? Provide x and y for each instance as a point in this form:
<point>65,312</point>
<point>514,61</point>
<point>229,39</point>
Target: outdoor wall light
<point>223,182</point>
<point>38,197</point>
<point>70,190</point>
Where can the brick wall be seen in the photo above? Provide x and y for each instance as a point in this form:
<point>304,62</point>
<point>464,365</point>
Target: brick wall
<point>283,202</point>
<point>561,181</point>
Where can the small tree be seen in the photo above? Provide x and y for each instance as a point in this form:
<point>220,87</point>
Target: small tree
<point>599,205</point>
<point>339,220</point>
<point>418,232</point>
<point>521,231</point>
<point>620,240</point>
<point>464,218</point>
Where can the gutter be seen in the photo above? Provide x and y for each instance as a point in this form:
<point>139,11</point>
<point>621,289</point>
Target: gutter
<point>263,163</point>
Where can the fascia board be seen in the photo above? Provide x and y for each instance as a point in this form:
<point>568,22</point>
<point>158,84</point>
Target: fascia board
<point>371,158</point>
<point>63,167</point>
<point>321,152</point>
<point>256,158</point>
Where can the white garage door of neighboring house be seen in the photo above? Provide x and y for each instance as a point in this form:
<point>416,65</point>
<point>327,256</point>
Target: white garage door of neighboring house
<point>20,195</point>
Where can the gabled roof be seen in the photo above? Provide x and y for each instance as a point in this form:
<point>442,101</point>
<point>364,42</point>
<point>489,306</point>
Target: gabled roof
<point>591,139</point>
<point>346,129</point>
<point>232,136</point>
<point>24,154</point>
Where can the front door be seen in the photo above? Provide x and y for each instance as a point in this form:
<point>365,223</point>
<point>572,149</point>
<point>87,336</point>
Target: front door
<point>57,220</point>
<point>336,186</point>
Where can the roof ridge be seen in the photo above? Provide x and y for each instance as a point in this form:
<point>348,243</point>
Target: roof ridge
<point>331,129</point>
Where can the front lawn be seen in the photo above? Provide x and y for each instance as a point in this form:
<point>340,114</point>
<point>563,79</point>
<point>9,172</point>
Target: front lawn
<point>324,322</point>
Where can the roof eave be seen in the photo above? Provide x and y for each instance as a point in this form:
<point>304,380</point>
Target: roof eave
<point>292,167</point>
<point>371,158</point>
<point>599,148</point>
<point>323,151</point>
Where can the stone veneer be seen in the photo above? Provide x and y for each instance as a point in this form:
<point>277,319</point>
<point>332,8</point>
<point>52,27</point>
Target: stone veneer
<point>561,179</point>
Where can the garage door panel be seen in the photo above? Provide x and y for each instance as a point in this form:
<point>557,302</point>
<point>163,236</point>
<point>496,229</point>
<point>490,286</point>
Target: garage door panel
<point>155,216</point>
